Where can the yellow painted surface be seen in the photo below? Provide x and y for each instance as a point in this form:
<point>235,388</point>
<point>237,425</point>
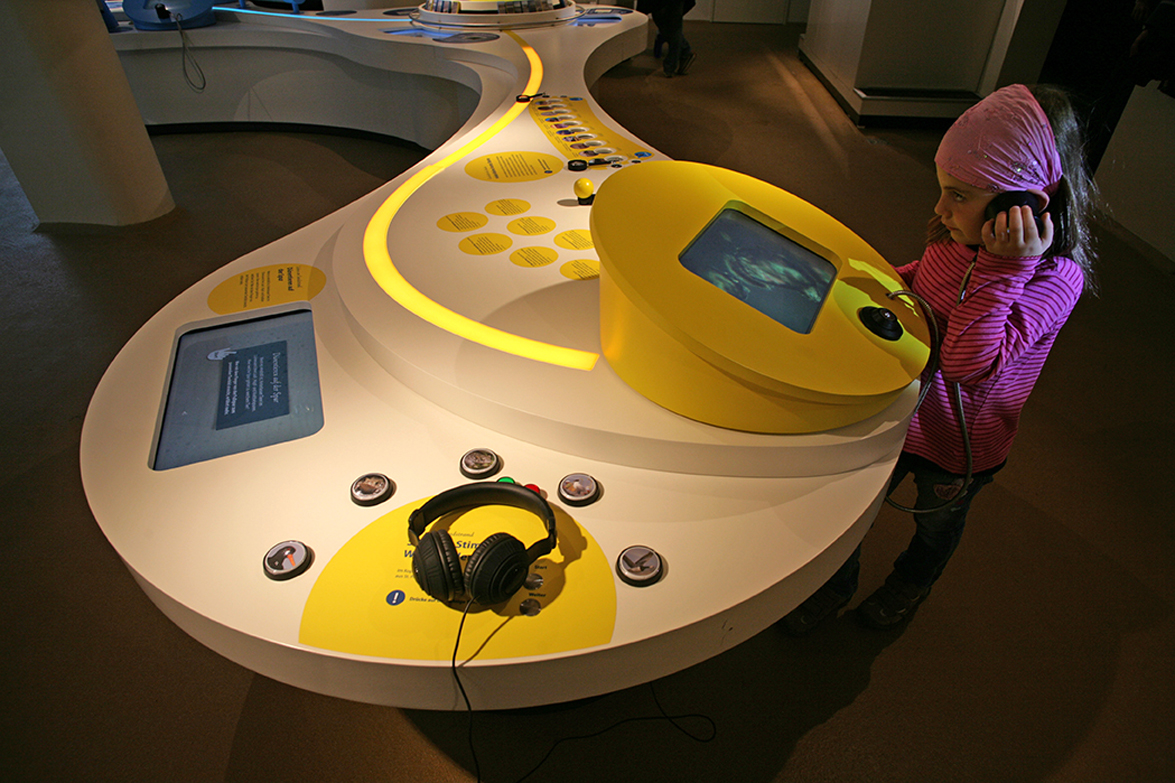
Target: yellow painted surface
<point>513,166</point>
<point>266,286</point>
<point>462,221</point>
<point>696,349</point>
<point>365,601</point>
<point>385,273</point>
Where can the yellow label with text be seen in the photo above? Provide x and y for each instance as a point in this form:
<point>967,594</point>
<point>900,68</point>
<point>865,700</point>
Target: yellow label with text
<point>485,244</point>
<point>513,166</point>
<point>581,269</point>
<point>265,286</point>
<point>574,130</point>
<point>534,256</point>
<point>462,221</point>
<point>505,207</point>
<point>531,226</point>
<point>576,239</point>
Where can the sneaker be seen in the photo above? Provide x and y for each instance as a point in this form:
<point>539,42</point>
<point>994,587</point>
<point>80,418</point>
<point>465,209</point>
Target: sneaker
<point>820,605</point>
<point>686,61</point>
<point>892,603</point>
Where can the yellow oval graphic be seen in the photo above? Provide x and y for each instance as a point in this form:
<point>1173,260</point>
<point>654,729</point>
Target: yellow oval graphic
<point>462,221</point>
<point>505,207</point>
<point>265,286</point>
<point>365,600</point>
<point>534,256</point>
<point>513,166</point>
<point>485,244</point>
<point>576,239</point>
<point>581,269</point>
<point>531,226</point>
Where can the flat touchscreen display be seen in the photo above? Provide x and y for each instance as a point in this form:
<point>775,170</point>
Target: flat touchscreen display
<point>240,386</point>
<point>759,266</point>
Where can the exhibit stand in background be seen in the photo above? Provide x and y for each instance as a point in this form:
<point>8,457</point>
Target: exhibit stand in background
<point>750,11</point>
<point>1135,175</point>
<point>70,128</point>
<point>924,59</point>
<point>920,58</point>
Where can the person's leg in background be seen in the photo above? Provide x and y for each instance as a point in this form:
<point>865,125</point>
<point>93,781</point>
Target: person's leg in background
<point>669,19</point>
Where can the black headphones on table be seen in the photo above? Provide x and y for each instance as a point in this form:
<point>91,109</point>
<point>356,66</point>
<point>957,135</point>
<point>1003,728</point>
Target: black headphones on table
<point>499,564</point>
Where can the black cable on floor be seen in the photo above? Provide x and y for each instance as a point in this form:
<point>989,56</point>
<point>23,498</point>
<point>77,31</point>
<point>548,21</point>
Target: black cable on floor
<point>673,719</point>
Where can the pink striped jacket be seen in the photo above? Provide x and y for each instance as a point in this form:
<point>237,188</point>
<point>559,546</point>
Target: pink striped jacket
<point>994,344</point>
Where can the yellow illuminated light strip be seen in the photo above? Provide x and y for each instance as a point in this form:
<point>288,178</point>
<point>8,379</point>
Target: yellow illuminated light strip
<point>379,261</point>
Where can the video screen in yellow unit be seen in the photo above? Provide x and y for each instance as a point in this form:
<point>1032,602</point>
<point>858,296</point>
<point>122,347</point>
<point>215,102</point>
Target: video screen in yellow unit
<point>763,268</point>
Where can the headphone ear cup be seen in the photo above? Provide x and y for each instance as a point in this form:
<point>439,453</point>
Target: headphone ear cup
<point>496,569</point>
<point>436,565</point>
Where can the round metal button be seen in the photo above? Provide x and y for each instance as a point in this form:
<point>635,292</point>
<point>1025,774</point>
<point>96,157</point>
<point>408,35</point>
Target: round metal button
<point>371,489</point>
<point>579,489</point>
<point>640,566</point>
<point>480,463</point>
<point>287,559</point>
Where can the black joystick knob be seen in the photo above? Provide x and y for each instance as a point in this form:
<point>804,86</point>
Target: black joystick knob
<point>881,322</point>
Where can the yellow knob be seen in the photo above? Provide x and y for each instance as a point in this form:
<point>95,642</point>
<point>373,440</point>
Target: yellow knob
<point>584,188</point>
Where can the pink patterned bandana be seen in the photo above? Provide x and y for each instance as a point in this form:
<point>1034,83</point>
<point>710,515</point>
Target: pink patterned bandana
<point>1004,142</point>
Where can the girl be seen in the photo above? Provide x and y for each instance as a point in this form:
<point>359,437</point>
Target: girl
<point>1000,286</point>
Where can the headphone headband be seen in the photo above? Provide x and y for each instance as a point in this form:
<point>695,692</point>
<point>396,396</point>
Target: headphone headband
<point>487,493</point>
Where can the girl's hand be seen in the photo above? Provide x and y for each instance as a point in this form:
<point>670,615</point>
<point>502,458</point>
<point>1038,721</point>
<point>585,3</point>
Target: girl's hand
<point>1013,234</point>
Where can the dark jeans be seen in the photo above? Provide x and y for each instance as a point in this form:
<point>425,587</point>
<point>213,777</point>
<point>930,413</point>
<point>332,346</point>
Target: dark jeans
<point>937,533</point>
<point>669,20</point>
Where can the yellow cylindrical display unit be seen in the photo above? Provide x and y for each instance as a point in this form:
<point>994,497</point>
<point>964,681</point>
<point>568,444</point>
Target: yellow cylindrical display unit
<point>735,303</point>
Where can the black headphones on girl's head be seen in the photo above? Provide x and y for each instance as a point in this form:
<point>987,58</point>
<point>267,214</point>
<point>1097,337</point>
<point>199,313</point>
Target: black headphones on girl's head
<point>499,564</point>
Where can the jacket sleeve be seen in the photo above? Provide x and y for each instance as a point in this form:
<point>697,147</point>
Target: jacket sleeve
<point>907,272</point>
<point>1010,304</point>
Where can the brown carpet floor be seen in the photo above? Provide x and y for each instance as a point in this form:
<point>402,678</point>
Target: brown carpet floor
<point>1044,654</point>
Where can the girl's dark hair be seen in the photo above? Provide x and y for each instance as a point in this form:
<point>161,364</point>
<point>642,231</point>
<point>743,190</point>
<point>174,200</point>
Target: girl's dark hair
<point>1076,199</point>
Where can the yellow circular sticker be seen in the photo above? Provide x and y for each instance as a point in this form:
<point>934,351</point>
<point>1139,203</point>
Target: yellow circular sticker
<point>485,244</point>
<point>576,239</point>
<point>581,269</point>
<point>534,256</point>
<point>513,166</point>
<point>365,600</point>
<point>531,226</point>
<point>462,221</point>
<point>505,207</point>
<point>265,286</point>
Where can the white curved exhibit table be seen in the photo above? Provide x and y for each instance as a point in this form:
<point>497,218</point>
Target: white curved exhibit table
<point>454,309</point>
